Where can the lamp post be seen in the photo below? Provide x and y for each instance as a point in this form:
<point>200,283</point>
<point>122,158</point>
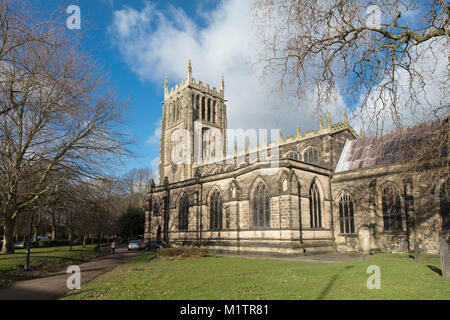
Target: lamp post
<point>27,257</point>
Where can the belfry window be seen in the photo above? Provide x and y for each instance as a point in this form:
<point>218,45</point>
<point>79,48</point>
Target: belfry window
<point>261,207</point>
<point>346,217</point>
<point>203,108</point>
<point>209,110</point>
<point>215,213</point>
<point>392,209</point>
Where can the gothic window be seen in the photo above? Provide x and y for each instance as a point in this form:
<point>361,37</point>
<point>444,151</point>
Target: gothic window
<point>214,112</point>
<point>444,196</point>
<point>209,110</point>
<point>315,210</point>
<point>392,209</point>
<point>156,207</point>
<point>261,207</point>
<point>346,217</point>
<point>311,155</point>
<point>177,110</point>
<point>183,215</point>
<point>197,107</point>
<point>292,155</point>
<point>203,108</point>
<point>215,213</point>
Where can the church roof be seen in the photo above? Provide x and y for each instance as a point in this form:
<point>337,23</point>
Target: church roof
<point>388,148</point>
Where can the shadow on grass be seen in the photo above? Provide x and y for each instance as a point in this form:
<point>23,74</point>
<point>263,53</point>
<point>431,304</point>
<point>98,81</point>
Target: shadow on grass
<point>435,269</point>
<point>73,294</point>
<point>330,284</point>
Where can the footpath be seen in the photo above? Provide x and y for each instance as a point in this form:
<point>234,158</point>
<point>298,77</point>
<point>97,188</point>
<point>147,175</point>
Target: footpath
<point>53,286</point>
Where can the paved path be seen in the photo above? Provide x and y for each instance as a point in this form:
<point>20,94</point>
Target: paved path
<point>53,286</point>
<point>327,258</point>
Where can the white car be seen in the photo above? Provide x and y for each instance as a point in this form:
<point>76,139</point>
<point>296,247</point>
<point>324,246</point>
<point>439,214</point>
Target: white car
<point>135,245</point>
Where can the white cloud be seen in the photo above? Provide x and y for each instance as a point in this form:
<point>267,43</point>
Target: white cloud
<point>156,43</point>
<point>156,136</point>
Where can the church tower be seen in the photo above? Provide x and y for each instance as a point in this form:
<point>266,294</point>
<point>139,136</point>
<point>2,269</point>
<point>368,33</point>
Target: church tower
<point>193,127</point>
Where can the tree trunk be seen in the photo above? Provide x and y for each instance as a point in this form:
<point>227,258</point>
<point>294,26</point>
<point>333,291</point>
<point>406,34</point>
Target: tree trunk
<point>84,241</point>
<point>35,231</point>
<point>8,237</point>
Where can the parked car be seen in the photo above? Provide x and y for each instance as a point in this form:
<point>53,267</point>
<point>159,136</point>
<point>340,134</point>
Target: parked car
<point>42,238</point>
<point>135,245</point>
<point>154,245</point>
<point>19,245</point>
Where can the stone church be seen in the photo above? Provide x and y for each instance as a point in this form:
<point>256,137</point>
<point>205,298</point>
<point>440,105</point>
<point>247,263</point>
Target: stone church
<point>318,191</point>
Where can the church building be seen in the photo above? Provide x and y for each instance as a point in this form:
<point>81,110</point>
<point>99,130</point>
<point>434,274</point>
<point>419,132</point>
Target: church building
<point>319,191</point>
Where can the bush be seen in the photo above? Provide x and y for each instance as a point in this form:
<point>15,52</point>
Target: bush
<point>183,252</point>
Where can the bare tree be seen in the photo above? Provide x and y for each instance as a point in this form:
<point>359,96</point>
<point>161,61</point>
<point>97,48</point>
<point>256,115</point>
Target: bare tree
<point>385,58</point>
<point>58,116</point>
<point>137,180</point>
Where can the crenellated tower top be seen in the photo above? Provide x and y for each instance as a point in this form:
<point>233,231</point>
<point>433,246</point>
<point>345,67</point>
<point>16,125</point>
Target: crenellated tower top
<point>189,81</point>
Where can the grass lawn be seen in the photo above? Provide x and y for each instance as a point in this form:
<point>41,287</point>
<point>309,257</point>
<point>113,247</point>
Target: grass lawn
<point>42,261</point>
<point>237,278</point>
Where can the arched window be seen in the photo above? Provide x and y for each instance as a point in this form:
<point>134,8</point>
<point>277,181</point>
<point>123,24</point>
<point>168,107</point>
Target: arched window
<point>346,217</point>
<point>311,155</point>
<point>183,215</point>
<point>445,205</point>
<point>215,211</point>
<point>214,112</point>
<point>392,209</point>
<point>261,207</point>
<point>203,108</point>
<point>156,207</point>
<point>315,210</point>
<point>177,114</point>
<point>197,107</point>
<point>209,110</point>
<point>292,155</point>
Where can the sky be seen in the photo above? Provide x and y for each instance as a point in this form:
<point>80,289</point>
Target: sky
<point>140,42</point>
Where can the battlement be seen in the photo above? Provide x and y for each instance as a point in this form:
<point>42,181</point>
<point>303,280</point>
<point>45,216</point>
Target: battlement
<point>253,149</point>
<point>191,82</point>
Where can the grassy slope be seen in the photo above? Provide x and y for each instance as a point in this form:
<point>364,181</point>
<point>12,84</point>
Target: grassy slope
<point>42,261</point>
<point>236,278</point>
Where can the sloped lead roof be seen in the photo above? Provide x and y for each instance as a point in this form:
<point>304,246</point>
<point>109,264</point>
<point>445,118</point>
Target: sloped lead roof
<point>388,148</point>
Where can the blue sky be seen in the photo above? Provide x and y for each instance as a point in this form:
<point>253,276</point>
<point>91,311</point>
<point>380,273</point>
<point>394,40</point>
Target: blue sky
<point>139,42</point>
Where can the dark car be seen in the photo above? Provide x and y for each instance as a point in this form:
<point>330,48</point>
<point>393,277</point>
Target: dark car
<point>153,245</point>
